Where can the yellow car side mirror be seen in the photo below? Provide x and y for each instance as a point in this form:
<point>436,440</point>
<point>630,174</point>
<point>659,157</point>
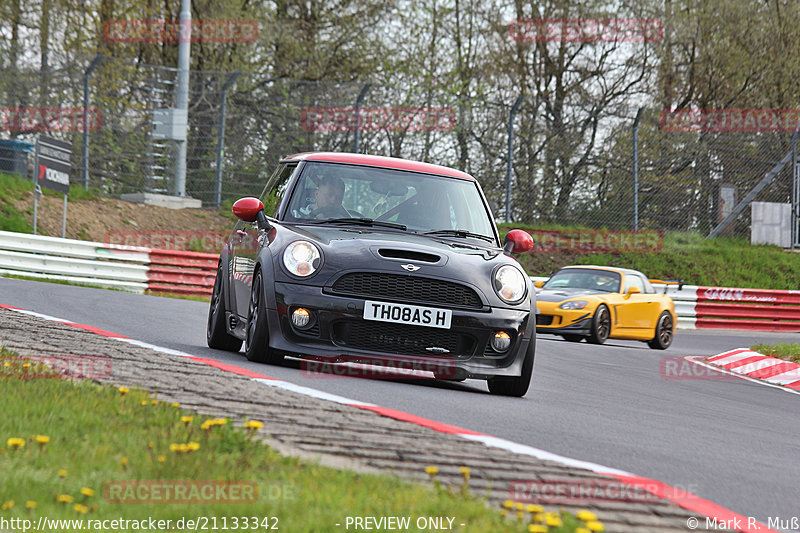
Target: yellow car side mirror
<point>538,284</point>
<point>634,290</point>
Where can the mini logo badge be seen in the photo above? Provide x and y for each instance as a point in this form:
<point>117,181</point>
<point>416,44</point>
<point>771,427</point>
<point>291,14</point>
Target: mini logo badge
<point>410,268</point>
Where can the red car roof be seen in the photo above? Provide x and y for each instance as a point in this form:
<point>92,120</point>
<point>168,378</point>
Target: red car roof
<point>379,161</point>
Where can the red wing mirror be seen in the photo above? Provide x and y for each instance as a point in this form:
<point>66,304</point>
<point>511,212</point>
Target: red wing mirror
<point>247,209</point>
<point>518,242</point>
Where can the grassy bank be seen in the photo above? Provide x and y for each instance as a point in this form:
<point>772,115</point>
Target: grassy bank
<point>785,350</point>
<point>75,450</point>
<point>722,262</point>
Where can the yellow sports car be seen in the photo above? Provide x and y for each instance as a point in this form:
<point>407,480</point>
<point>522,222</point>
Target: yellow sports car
<point>597,303</point>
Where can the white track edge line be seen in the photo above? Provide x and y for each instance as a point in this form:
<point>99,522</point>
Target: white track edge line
<point>700,360</point>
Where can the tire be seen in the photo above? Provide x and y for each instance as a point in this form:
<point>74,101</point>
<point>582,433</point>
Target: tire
<point>217,336</point>
<point>517,386</point>
<point>664,332</point>
<point>256,344</point>
<point>573,338</point>
<point>601,325</point>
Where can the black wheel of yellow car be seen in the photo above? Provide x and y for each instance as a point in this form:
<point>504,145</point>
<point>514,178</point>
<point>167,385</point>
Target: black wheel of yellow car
<point>664,332</point>
<point>601,325</point>
<point>216,335</point>
<point>256,343</point>
<point>573,338</point>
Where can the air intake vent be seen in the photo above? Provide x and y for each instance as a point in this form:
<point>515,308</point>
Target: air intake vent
<point>408,255</point>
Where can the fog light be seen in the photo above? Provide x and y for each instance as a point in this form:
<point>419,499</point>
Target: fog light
<point>300,317</point>
<point>501,341</point>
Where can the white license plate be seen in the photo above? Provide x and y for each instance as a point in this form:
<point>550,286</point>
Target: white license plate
<point>408,314</point>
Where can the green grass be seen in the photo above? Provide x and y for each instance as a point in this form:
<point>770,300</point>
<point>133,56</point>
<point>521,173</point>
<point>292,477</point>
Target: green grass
<point>99,437</point>
<point>720,262</point>
<point>784,350</point>
<point>12,189</point>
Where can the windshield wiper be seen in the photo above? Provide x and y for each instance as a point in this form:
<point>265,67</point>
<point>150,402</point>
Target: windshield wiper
<point>459,233</point>
<point>361,222</point>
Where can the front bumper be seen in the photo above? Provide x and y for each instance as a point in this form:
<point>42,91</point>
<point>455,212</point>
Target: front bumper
<point>551,319</point>
<point>338,332</point>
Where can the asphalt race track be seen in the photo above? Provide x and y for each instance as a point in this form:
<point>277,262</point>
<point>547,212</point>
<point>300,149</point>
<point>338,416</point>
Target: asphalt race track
<point>731,441</point>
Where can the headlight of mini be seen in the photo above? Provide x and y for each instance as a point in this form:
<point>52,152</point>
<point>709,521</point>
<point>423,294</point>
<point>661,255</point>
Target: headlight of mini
<point>575,304</point>
<point>509,283</point>
<point>301,258</point>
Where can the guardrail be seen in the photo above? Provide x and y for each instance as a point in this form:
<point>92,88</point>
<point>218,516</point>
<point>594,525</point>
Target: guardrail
<point>129,268</point>
<point>699,307</point>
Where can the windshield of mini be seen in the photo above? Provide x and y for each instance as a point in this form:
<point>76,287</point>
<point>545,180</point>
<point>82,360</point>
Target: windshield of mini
<point>585,278</point>
<point>421,202</point>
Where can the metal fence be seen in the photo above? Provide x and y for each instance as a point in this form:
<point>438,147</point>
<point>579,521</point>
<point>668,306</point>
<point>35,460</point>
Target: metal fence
<point>578,170</point>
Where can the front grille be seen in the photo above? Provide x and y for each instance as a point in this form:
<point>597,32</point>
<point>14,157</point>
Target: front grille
<point>544,320</point>
<point>400,339</point>
<point>407,289</point>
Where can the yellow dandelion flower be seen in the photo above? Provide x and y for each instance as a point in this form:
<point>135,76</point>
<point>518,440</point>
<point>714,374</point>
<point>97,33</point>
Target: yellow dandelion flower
<point>64,498</point>
<point>151,445</point>
<point>161,458</point>
<point>30,504</point>
<point>254,424</point>
<point>123,461</point>
<point>582,530</point>
<point>42,439</point>
<point>7,364</point>
<point>205,426</point>
<point>154,402</point>
<point>86,491</point>
<point>173,447</point>
<point>553,520</point>
<point>187,419</point>
<point>143,402</point>
<point>586,516</point>
<point>220,421</point>
<point>7,505</point>
<point>431,470</point>
<point>520,506</point>
<point>15,442</point>
<point>123,390</point>
<point>82,509</point>
<point>26,365</point>
<point>532,508</point>
<point>508,504</point>
<point>193,446</point>
<point>503,512</point>
<point>520,515</point>
<point>465,471</point>
<point>176,404</point>
<point>62,473</point>
<point>537,528</point>
<point>594,525</point>
<point>538,517</point>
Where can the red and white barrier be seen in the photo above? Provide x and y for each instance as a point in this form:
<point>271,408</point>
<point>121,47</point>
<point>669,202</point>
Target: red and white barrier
<point>755,365</point>
<point>129,268</point>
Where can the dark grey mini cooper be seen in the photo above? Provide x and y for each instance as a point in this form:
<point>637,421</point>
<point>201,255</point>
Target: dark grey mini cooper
<point>376,261</point>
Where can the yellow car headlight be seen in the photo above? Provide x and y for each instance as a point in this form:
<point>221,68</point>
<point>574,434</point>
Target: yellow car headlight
<point>574,304</point>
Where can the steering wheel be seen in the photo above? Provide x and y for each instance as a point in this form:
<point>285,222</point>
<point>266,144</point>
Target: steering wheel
<point>334,211</point>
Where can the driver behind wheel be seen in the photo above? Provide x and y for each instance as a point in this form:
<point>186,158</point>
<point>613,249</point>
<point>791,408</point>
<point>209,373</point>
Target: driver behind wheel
<point>328,199</point>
